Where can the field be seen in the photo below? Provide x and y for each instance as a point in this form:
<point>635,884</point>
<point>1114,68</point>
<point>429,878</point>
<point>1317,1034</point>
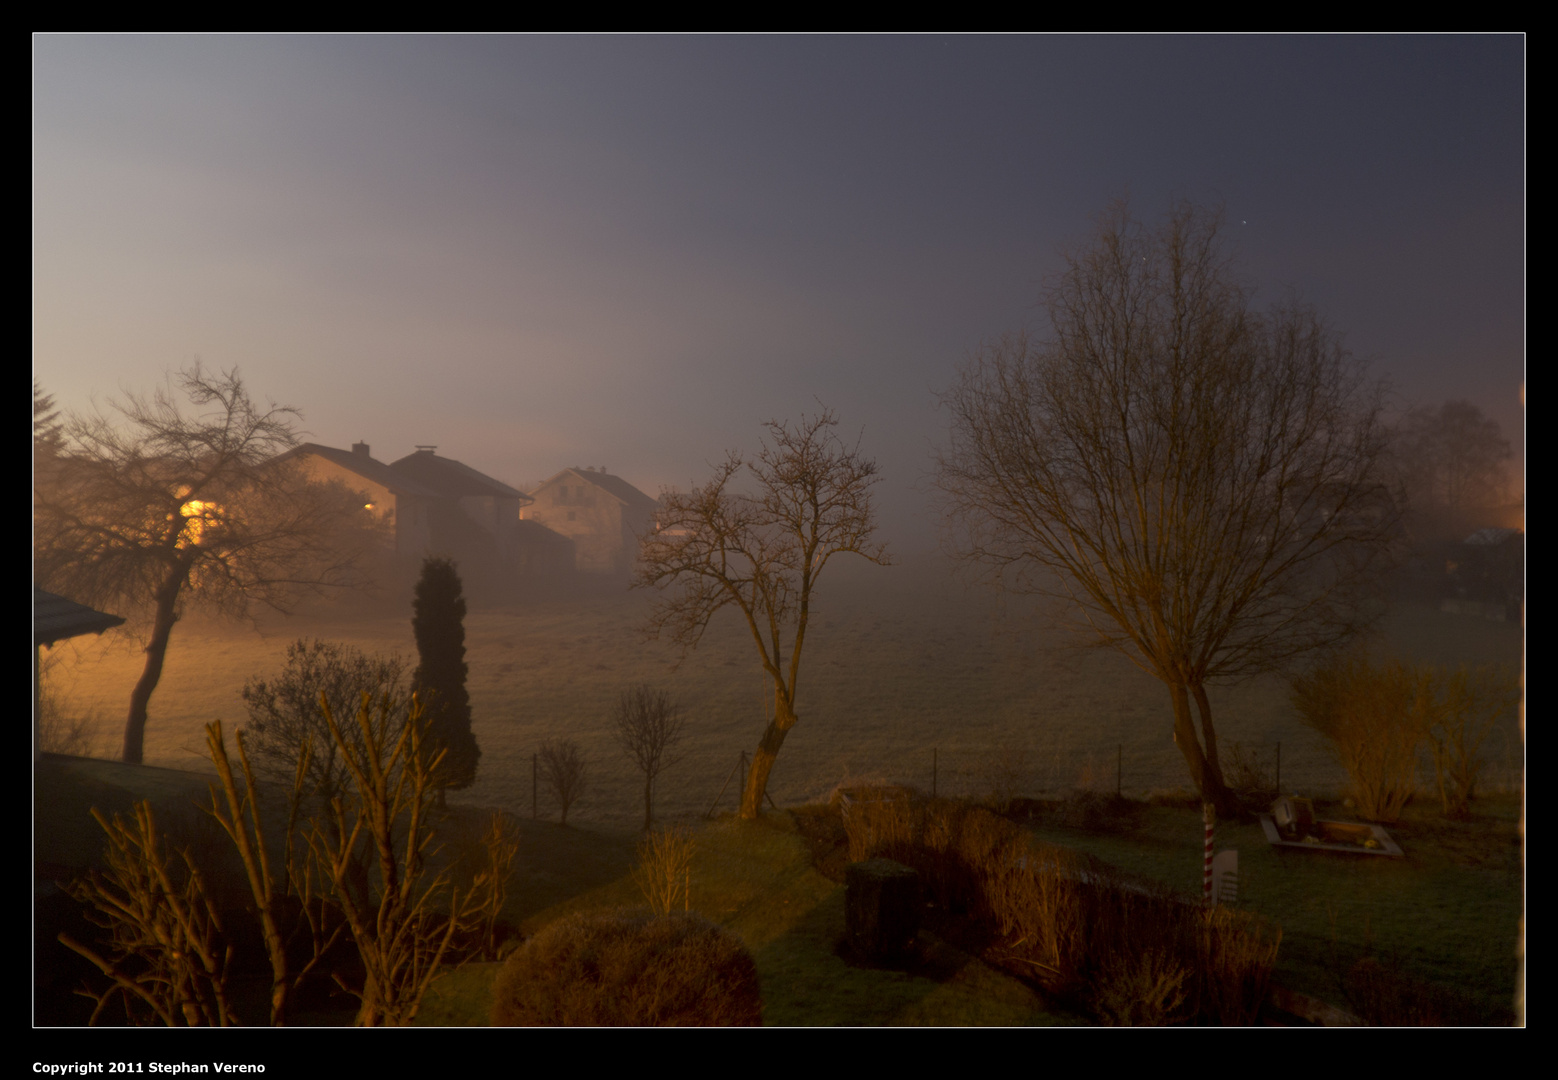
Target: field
<point>902,661</point>
<point>904,666</point>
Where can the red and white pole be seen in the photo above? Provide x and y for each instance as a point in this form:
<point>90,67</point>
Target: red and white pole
<point>1209,817</point>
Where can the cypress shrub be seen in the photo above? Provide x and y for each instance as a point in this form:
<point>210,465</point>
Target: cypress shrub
<point>438,623</point>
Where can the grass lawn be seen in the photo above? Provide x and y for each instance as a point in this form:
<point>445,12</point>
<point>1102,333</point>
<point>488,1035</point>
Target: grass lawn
<point>1449,911</point>
<point>757,879</point>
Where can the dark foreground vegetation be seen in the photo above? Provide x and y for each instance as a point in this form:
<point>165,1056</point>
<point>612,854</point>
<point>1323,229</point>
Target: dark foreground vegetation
<point>1093,901</point>
<point>629,969</point>
<point>1046,913</point>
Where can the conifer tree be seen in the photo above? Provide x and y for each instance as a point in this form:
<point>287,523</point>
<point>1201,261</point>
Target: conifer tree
<point>438,623</point>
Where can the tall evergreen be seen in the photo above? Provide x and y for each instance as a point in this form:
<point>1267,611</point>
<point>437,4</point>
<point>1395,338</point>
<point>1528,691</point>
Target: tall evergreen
<point>438,622</point>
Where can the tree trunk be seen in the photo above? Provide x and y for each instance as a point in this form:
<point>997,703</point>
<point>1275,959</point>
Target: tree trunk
<point>649,803</point>
<point>1209,784</point>
<point>1214,761</point>
<point>763,761</point>
<point>165,616</point>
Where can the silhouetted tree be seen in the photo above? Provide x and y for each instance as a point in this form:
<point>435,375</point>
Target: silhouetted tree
<point>565,772</point>
<point>1203,482</point>
<point>648,728</point>
<point>46,434</point>
<point>763,555</point>
<point>438,623</point>
<point>160,505</point>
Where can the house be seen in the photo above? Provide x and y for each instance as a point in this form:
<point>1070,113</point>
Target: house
<point>603,515</point>
<point>1485,575</point>
<point>473,507</point>
<point>405,506</point>
<point>438,506</point>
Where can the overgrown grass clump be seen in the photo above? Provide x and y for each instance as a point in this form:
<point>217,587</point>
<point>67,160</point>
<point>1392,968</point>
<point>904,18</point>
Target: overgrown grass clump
<point>629,969</point>
<point>1129,952</point>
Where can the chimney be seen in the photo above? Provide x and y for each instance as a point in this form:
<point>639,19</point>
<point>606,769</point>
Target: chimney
<point>360,448</point>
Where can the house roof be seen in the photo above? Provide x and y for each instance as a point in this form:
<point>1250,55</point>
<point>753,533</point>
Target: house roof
<point>1491,537</point>
<point>55,618</point>
<point>365,467</point>
<point>614,486</point>
<point>451,478</point>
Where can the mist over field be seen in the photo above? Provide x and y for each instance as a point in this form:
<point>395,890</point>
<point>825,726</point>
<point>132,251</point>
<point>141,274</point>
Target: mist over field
<point>900,661</point>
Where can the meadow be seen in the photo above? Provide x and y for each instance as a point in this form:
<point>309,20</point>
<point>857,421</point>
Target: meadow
<point>907,669</point>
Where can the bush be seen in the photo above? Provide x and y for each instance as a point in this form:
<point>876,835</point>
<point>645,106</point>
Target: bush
<point>629,969</point>
<point>1147,990</point>
<point>664,871</point>
<point>284,710</point>
<point>1128,951</point>
<point>1375,717</point>
<point>438,624</point>
<point>1467,705</point>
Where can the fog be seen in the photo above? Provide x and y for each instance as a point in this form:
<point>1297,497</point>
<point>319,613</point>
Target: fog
<point>631,251</point>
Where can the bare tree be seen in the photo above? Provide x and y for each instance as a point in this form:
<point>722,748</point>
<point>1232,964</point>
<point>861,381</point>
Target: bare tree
<point>649,727</point>
<point>163,504</point>
<point>565,773</point>
<point>405,924</point>
<point>1452,463</point>
<point>166,955</point>
<point>1199,481</point>
<point>762,554</point>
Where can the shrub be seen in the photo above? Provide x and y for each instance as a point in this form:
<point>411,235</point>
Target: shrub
<point>284,710</point>
<point>438,624</point>
<point>1146,990</point>
<point>629,969</point>
<point>1466,706</point>
<point>1375,717</point>
<point>1129,951</point>
<point>878,819</point>
<point>664,870</point>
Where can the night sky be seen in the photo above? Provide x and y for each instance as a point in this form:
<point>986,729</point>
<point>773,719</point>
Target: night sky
<point>537,252</point>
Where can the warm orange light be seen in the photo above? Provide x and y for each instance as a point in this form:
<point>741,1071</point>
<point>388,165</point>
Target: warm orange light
<point>199,516</point>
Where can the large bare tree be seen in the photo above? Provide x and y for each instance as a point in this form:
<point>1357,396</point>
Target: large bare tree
<point>177,497</point>
<point>762,553</point>
<point>1201,482</point>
